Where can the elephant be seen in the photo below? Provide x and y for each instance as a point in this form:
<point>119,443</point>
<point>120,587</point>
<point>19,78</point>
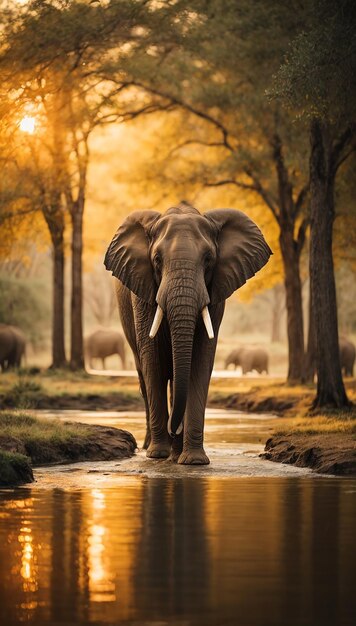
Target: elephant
<point>347,356</point>
<point>175,271</point>
<point>103,343</point>
<point>12,346</point>
<point>249,359</point>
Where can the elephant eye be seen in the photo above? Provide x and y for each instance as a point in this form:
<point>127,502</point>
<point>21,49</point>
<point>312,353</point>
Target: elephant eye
<point>208,258</point>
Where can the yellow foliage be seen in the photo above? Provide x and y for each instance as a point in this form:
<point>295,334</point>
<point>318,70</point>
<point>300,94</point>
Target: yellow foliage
<point>22,237</point>
<point>133,168</point>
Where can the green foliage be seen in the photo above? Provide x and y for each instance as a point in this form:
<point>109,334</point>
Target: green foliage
<point>24,303</point>
<point>319,72</point>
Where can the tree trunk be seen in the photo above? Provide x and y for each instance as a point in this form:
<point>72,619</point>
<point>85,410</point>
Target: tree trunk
<point>76,334</point>
<point>277,310</point>
<point>310,356</point>
<point>292,282</point>
<point>56,225</point>
<point>330,387</point>
<point>58,344</point>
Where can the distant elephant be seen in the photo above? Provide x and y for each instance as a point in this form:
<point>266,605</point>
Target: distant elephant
<point>347,356</point>
<point>12,346</point>
<point>249,359</point>
<point>103,343</point>
<point>176,271</point>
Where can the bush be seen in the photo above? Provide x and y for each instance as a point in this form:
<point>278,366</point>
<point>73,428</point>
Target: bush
<point>24,394</point>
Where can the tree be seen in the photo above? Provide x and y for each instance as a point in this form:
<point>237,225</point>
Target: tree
<point>191,65</point>
<point>51,58</point>
<point>319,78</point>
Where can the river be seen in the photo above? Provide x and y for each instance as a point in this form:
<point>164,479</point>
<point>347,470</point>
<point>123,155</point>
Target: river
<point>241,542</point>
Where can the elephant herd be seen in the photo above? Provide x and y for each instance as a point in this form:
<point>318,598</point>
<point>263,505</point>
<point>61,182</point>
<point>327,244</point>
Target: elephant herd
<point>103,343</point>
<point>256,359</point>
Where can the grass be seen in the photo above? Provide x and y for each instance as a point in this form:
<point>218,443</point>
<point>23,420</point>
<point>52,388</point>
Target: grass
<point>42,440</point>
<point>15,469</point>
<point>322,424</point>
<point>28,428</point>
<point>24,391</point>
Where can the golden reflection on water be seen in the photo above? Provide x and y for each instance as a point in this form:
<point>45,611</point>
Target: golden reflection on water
<point>101,585</point>
<point>193,549</point>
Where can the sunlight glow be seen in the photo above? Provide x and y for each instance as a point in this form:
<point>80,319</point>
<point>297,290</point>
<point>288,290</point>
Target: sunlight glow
<point>28,124</point>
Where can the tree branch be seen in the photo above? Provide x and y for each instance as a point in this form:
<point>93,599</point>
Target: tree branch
<point>229,181</point>
<point>337,156</point>
<point>301,234</point>
<point>263,193</point>
<point>199,142</point>
<point>179,102</point>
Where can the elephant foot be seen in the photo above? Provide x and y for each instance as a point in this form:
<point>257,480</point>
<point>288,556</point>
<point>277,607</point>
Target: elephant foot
<point>174,456</point>
<point>158,450</point>
<point>193,457</point>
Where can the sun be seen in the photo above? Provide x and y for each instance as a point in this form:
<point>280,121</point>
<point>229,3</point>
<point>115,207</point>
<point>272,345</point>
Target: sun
<point>28,124</point>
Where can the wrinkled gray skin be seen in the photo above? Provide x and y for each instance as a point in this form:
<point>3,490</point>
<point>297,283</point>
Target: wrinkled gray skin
<point>183,261</point>
<point>103,343</point>
<point>347,356</point>
<point>249,359</point>
<point>12,346</point>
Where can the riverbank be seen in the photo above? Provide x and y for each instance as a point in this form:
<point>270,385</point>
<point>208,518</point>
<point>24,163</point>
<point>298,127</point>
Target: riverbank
<point>290,403</point>
<point>268,395</point>
<point>326,445</point>
<point>62,390</point>
<point>27,441</point>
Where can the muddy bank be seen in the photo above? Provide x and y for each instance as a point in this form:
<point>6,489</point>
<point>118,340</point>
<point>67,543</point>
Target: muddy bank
<point>333,453</point>
<point>89,443</point>
<point>251,402</point>
<point>84,402</point>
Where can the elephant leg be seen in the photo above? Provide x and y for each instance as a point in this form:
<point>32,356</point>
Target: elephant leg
<point>193,452</point>
<point>151,361</point>
<point>103,362</point>
<point>177,442</point>
<point>156,386</point>
<point>147,439</point>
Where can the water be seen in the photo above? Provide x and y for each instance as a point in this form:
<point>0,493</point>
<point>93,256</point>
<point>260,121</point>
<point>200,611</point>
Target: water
<point>123,547</point>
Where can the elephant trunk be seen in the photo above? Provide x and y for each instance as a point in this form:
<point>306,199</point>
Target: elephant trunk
<point>183,304</point>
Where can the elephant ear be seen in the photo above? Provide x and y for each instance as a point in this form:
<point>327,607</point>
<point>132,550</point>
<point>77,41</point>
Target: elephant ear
<point>127,256</point>
<point>242,251</point>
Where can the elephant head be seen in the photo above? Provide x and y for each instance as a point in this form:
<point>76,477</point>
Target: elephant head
<point>182,262</point>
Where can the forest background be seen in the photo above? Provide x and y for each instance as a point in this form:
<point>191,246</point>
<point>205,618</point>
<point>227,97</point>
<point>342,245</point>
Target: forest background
<point>112,106</point>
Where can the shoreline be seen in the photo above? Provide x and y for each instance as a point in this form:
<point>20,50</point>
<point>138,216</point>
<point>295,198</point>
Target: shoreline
<point>325,442</point>
<point>328,453</point>
<point>77,442</point>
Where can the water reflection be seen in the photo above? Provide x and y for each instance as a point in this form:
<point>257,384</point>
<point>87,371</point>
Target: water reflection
<point>217,551</point>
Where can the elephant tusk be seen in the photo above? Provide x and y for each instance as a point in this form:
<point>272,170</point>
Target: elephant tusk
<point>207,321</point>
<point>156,322</point>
